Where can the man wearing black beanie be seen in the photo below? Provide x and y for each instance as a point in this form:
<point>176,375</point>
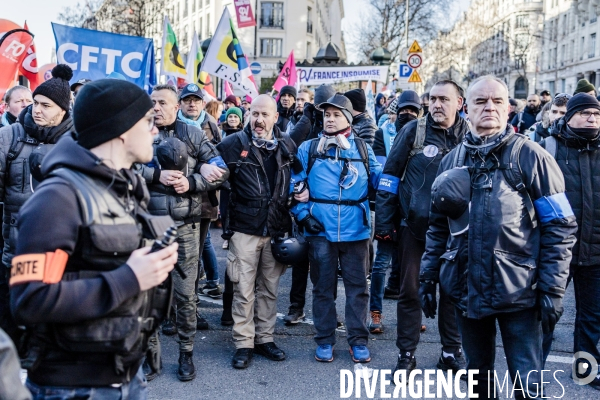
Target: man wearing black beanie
<point>362,123</point>
<point>42,122</point>
<point>575,144</point>
<point>94,295</point>
<point>286,105</point>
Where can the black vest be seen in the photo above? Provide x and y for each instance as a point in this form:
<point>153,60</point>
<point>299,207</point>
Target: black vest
<point>111,231</point>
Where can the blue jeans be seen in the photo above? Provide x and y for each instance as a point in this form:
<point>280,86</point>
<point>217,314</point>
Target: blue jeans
<point>324,256</point>
<point>134,390</point>
<point>587,304</point>
<point>522,340</point>
<point>209,259</point>
<point>380,266</point>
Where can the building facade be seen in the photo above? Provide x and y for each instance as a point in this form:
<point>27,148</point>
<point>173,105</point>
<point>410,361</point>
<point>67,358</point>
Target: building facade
<point>570,51</point>
<point>498,37</point>
<point>303,26</point>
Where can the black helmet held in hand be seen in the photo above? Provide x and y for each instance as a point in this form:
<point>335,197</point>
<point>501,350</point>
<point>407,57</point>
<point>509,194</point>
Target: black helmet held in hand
<point>290,250</point>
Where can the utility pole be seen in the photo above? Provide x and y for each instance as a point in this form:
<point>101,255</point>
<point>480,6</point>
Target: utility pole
<point>406,23</point>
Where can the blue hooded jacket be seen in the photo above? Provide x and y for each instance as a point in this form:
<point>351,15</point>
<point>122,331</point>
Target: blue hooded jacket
<point>342,223</point>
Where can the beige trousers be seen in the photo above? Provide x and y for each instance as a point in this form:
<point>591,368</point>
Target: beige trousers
<point>255,276</point>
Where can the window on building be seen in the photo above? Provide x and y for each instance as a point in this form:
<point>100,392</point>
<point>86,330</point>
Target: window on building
<point>308,50</point>
<point>185,8</point>
<point>176,17</point>
<point>592,46</point>
<point>563,55</point>
<point>522,21</point>
<point>581,48</point>
<point>551,88</point>
<point>194,5</point>
<point>271,15</point>
<point>207,25</point>
<point>309,24</point>
<point>270,47</point>
<point>185,36</point>
<point>200,27</point>
<point>563,85</point>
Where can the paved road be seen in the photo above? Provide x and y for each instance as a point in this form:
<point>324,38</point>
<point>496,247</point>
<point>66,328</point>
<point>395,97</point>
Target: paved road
<point>301,377</point>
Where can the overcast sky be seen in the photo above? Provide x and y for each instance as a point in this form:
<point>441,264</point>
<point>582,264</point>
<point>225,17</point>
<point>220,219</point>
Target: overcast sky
<point>40,13</point>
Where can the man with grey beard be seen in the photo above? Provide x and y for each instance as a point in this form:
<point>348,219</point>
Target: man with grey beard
<point>259,158</point>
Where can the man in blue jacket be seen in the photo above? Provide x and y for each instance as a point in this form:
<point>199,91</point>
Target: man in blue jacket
<point>339,169</point>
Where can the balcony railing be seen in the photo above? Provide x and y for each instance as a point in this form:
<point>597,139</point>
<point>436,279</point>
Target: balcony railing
<point>271,22</point>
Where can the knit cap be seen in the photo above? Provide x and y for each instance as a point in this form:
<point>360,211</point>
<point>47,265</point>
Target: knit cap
<point>57,88</point>
<point>236,111</point>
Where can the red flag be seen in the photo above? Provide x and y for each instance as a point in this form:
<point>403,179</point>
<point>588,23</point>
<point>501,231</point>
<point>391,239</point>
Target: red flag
<point>288,74</point>
<point>29,66</point>
<point>243,12</point>
<point>208,87</point>
<point>13,49</point>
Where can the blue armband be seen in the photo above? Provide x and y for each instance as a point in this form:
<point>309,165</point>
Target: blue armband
<point>388,183</point>
<point>218,161</point>
<point>552,207</point>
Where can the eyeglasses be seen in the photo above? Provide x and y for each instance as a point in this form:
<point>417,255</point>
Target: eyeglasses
<point>191,99</point>
<point>562,96</point>
<point>588,114</point>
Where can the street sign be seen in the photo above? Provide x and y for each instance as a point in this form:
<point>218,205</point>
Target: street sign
<point>404,71</point>
<point>415,48</point>
<point>255,67</point>
<point>414,77</point>
<point>414,60</point>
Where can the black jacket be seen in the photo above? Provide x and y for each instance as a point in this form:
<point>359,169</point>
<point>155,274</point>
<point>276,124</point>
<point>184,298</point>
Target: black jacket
<point>253,209</point>
<point>579,160</point>
<point>15,186</point>
<point>56,208</point>
<point>285,114</point>
<point>308,127</point>
<point>528,119</point>
<point>364,127</point>
<point>509,260</point>
<point>421,171</point>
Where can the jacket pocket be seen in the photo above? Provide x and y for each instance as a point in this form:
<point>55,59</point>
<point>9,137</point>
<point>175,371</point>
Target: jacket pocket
<point>13,232</point>
<point>514,276</point>
<point>233,267</point>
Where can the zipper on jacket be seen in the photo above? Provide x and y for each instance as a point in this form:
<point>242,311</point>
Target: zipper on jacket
<point>258,181</point>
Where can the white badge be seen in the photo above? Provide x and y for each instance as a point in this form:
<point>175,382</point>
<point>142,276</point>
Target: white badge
<point>430,151</point>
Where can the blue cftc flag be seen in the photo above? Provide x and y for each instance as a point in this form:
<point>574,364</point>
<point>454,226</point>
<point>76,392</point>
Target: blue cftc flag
<point>95,54</point>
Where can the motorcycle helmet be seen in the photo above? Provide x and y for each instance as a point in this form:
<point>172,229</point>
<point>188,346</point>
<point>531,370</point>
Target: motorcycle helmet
<point>290,250</point>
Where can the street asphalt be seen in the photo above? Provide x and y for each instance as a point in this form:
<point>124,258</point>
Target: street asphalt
<point>301,377</point>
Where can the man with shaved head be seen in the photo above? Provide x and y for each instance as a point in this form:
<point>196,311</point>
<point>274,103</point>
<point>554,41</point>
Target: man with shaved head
<point>499,242</point>
<point>259,158</point>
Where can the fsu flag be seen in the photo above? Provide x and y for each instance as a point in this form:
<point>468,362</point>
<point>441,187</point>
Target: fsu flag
<point>226,59</point>
<point>13,50</point>
<point>171,61</point>
<point>243,11</point>
<point>29,67</point>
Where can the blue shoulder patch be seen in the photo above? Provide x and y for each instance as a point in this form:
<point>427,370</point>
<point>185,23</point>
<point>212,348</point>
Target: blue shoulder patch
<point>552,207</point>
<point>388,183</point>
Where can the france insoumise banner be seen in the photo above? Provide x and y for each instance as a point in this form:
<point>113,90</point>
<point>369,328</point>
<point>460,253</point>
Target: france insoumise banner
<point>95,54</point>
<point>333,75</point>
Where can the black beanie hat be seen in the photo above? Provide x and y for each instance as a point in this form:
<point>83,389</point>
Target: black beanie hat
<point>358,99</point>
<point>57,88</point>
<point>287,89</point>
<point>580,102</point>
<point>107,108</point>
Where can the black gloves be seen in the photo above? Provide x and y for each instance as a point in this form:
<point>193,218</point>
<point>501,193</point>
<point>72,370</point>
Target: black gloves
<point>551,309</point>
<point>385,236</point>
<point>309,111</point>
<point>310,224</point>
<point>428,299</point>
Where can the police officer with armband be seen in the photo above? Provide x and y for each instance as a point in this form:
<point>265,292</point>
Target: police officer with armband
<point>83,280</point>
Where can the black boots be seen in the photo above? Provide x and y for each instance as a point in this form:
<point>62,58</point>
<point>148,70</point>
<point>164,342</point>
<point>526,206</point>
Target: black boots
<point>227,318</point>
<point>186,371</point>
<point>241,358</point>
